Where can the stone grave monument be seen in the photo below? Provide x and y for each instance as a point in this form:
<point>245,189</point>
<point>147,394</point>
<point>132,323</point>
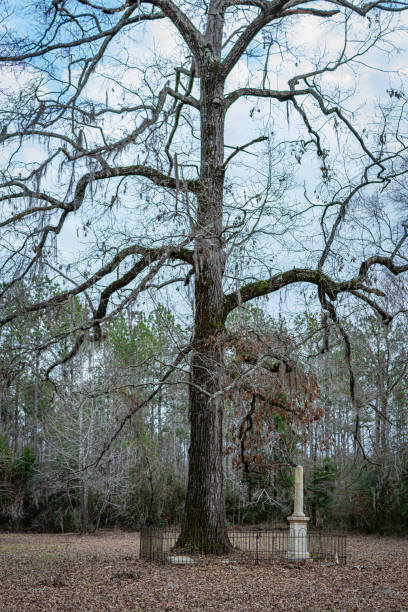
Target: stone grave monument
<point>297,541</point>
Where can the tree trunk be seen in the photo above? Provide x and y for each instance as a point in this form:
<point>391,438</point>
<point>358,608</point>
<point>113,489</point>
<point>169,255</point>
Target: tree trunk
<point>83,472</point>
<point>35,402</point>
<point>16,418</point>
<point>159,414</point>
<point>204,522</point>
<point>7,415</point>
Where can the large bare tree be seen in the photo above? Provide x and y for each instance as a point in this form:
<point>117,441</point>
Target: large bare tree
<point>111,135</point>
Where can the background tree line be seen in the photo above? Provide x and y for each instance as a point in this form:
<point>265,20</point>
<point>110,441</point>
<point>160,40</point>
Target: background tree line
<point>56,474</point>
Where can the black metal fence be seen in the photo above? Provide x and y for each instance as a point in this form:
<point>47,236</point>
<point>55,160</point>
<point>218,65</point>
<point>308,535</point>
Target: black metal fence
<point>160,544</point>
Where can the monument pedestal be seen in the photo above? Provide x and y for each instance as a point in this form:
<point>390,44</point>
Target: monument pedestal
<point>297,543</point>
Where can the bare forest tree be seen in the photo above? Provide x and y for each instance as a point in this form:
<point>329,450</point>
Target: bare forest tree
<point>128,148</point>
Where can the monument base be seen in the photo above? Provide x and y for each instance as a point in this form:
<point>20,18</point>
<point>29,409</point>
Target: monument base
<point>295,555</point>
<point>297,542</point>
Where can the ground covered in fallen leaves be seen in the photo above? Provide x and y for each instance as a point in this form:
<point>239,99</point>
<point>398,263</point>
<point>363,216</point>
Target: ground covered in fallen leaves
<point>103,572</point>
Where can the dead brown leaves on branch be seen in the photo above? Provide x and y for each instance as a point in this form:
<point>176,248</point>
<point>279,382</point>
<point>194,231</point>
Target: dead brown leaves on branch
<point>272,396</point>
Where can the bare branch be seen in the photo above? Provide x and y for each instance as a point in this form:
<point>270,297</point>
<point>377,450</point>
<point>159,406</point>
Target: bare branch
<point>148,256</point>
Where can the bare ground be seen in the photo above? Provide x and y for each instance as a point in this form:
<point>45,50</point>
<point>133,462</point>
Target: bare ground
<point>102,572</point>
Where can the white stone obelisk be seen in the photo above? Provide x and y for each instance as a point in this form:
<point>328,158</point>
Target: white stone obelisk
<point>297,544</point>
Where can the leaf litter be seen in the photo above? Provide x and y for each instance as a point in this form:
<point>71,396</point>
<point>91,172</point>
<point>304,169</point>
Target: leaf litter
<point>103,572</point>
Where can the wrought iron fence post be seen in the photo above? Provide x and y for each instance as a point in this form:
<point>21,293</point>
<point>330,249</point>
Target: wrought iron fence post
<point>257,548</point>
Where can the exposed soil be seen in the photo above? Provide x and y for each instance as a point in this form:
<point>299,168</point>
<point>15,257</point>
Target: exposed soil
<point>103,572</point>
